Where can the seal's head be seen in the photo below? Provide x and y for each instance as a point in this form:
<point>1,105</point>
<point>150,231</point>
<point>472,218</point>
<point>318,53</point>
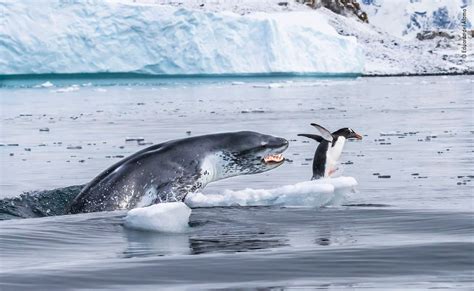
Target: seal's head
<point>248,152</point>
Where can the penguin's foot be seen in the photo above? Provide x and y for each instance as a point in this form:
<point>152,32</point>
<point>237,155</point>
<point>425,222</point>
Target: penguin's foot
<point>332,171</point>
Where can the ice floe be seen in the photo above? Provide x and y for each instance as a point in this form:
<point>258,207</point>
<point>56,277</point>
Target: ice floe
<point>316,193</point>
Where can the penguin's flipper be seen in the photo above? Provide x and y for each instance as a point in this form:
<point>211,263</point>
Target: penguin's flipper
<point>312,136</point>
<point>326,134</point>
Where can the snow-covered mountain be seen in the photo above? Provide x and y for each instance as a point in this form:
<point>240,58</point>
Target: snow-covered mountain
<point>406,18</point>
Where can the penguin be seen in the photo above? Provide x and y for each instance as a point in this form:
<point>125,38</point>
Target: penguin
<point>329,150</point>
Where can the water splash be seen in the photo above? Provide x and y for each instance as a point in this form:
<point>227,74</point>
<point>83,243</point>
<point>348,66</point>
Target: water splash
<point>39,203</point>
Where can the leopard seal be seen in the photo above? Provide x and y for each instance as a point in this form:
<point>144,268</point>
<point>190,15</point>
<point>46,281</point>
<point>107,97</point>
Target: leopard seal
<point>168,171</point>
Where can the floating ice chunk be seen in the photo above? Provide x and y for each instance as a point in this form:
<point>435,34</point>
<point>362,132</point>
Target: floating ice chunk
<point>71,88</point>
<point>137,139</point>
<point>315,193</point>
<point>46,84</point>
<point>269,86</point>
<point>163,217</point>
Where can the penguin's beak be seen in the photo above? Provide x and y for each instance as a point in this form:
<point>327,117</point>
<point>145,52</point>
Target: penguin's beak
<point>357,136</point>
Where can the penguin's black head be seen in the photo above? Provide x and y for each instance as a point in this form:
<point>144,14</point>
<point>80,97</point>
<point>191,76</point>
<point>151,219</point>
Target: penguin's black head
<point>347,132</point>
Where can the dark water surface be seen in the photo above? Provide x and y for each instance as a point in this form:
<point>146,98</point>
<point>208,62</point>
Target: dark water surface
<point>411,230</point>
<point>238,246</point>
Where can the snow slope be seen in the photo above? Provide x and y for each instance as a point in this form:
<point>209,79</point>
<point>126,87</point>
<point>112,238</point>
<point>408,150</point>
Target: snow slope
<point>405,18</point>
<point>386,54</point>
<point>99,36</point>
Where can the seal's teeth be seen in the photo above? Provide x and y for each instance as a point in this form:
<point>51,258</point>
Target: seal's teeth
<point>273,158</point>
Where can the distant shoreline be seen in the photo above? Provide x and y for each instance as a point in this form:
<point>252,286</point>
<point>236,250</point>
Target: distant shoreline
<point>79,76</point>
<point>420,75</point>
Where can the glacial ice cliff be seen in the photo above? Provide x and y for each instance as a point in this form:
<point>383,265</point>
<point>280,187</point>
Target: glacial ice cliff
<point>99,36</point>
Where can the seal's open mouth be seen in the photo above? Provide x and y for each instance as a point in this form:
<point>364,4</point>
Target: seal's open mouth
<point>277,158</point>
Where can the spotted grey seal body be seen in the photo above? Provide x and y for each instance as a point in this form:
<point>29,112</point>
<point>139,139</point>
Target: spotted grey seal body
<point>329,149</point>
<point>168,171</point>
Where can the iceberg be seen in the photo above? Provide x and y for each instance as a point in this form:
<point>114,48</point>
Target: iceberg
<point>63,37</point>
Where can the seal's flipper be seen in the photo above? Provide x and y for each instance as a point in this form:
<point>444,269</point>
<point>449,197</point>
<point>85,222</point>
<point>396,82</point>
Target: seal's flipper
<point>312,136</point>
<point>326,134</point>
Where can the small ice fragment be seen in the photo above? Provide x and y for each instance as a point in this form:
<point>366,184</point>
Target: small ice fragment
<point>71,88</point>
<point>74,147</point>
<point>163,217</point>
<point>392,133</point>
<point>144,143</point>
<point>134,139</point>
<point>46,84</point>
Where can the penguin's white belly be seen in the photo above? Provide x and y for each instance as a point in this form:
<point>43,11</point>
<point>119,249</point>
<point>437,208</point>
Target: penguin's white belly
<point>333,155</point>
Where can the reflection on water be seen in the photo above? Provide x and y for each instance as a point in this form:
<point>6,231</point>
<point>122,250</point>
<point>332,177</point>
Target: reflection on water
<point>200,240</point>
<point>226,230</point>
<point>146,244</point>
<point>236,243</point>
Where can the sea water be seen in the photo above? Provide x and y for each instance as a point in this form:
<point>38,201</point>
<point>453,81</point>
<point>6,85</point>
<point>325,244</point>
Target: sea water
<point>408,223</point>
